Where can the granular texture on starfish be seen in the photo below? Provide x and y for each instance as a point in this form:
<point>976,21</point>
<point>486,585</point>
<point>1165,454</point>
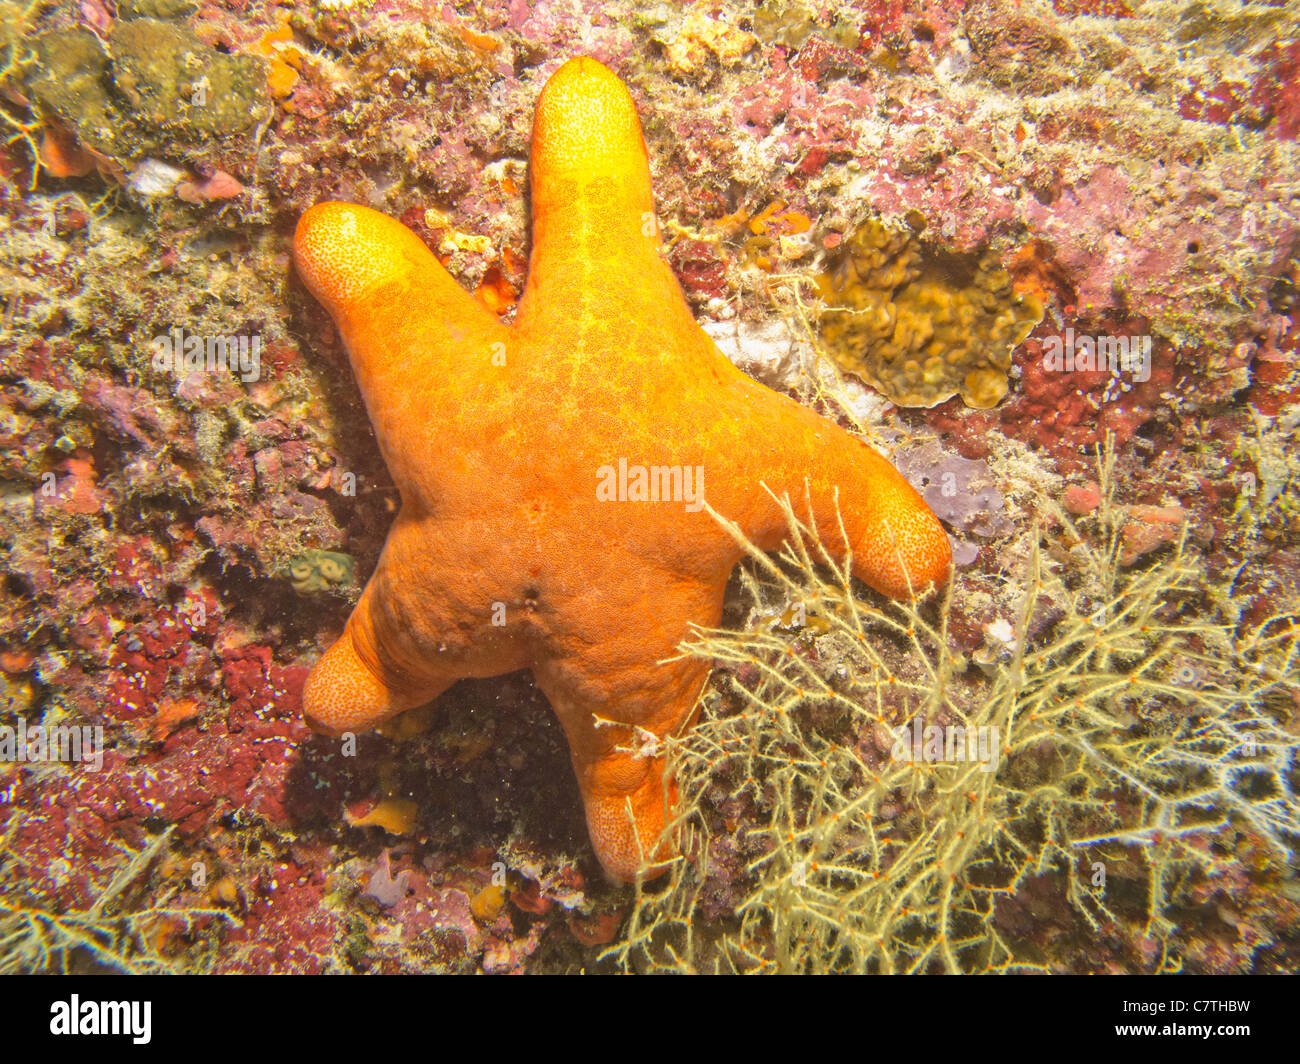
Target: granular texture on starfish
<point>554,473</point>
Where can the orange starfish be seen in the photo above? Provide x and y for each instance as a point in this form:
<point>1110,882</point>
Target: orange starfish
<point>553,474</point>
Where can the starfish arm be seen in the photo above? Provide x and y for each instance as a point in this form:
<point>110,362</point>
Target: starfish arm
<point>379,666</point>
<point>346,693</point>
<point>898,545</point>
<point>618,698</point>
<point>349,689</point>
<point>594,225</point>
<point>407,325</point>
<point>620,767</point>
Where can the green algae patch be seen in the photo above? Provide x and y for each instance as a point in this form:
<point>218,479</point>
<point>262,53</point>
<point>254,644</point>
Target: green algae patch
<point>792,24</point>
<point>154,90</point>
<point>71,71</point>
<point>175,85</point>
<point>319,570</point>
<point>164,9</point>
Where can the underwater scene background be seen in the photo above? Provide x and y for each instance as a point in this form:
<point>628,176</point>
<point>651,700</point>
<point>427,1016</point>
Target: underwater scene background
<point>1042,257</point>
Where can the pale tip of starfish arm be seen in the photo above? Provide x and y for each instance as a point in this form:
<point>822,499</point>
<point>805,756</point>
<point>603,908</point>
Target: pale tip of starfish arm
<point>627,827</point>
<point>342,250</point>
<point>906,552</point>
<point>343,694</point>
<point>931,559</point>
<point>586,128</point>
